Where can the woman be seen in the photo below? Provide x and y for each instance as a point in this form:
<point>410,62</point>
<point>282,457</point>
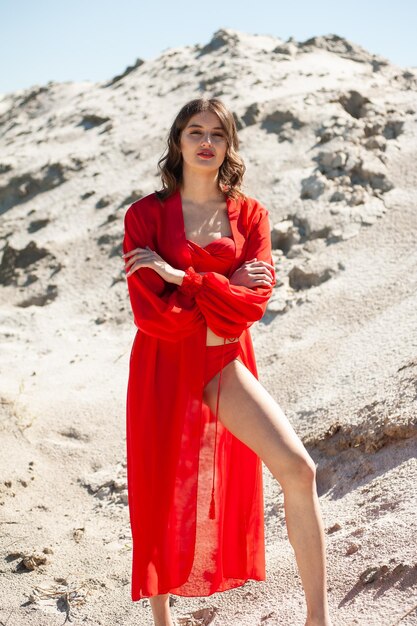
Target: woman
<point>200,272</point>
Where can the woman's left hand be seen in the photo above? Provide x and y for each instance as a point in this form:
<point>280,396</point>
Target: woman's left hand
<point>145,257</point>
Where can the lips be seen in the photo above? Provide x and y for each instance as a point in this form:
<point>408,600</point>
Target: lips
<point>205,153</point>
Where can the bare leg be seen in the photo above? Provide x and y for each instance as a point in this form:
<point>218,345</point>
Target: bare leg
<point>160,610</point>
<point>306,535</point>
<point>250,413</point>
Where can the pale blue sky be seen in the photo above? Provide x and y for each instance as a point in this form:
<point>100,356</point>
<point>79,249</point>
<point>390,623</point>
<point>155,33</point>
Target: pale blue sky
<point>42,40</point>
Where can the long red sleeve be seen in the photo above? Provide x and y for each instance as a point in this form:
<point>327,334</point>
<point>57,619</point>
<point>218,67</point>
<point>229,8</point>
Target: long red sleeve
<point>230,309</point>
<point>159,309</point>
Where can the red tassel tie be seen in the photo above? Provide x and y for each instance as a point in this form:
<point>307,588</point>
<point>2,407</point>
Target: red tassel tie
<point>212,512</point>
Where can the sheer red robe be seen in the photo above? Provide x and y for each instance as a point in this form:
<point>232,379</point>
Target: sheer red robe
<point>171,434</point>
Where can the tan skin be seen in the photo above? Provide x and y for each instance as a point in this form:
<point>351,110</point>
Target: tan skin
<point>246,409</point>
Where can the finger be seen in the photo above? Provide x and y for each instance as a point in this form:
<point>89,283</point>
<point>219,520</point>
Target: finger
<point>262,270</point>
<point>259,282</point>
<point>134,267</point>
<point>142,256</point>
<point>265,275</point>
<point>265,263</point>
<point>132,260</point>
<point>134,251</point>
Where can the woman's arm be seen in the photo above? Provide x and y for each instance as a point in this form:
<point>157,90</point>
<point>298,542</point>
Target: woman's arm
<point>159,309</point>
<point>227,308</point>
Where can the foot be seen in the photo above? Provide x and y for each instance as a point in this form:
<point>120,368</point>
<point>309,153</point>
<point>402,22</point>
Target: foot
<point>167,621</point>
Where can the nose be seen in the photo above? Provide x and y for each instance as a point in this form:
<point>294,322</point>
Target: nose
<point>206,139</point>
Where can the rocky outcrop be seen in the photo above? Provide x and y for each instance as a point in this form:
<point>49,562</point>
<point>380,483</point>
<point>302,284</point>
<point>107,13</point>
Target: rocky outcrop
<point>342,48</point>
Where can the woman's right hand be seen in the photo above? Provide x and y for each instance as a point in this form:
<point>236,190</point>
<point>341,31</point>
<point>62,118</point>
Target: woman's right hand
<point>253,273</point>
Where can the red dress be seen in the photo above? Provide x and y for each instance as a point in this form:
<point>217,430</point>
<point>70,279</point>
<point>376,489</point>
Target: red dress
<point>189,538</point>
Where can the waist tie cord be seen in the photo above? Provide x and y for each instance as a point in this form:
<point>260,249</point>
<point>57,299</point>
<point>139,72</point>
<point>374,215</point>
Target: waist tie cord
<point>212,512</point>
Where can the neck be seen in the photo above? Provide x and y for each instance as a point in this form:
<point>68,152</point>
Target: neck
<point>201,189</point>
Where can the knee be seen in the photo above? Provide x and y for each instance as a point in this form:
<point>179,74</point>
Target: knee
<point>301,471</point>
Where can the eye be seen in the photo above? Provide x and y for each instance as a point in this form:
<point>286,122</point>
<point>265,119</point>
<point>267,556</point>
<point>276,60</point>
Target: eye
<point>197,132</point>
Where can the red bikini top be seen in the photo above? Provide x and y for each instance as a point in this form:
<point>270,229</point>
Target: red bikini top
<point>216,256</point>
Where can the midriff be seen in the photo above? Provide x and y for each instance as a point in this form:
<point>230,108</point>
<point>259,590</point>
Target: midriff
<point>214,340</point>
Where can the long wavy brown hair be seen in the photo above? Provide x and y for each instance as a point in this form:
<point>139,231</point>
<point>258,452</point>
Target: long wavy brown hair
<point>231,170</point>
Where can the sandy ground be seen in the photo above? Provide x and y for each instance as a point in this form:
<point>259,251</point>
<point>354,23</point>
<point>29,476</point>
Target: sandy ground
<point>328,133</point>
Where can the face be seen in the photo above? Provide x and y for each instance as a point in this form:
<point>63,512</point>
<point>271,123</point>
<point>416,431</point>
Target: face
<point>203,132</point>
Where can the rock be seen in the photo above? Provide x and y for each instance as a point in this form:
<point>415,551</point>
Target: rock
<point>304,277</point>
<point>31,561</point>
<point>87,194</point>
<point>128,70</point>
<point>393,128</point>
<point>103,202</point>
<point>136,194</point>
<point>337,196</point>
<point>334,528</point>
<point>377,142</point>
<point>372,171</point>
<point>36,225</point>
<point>351,549</point>
<point>239,123</point>
<point>252,114</point>
<point>344,233</point>
<point>352,162</point>
<point>14,258</point>
<point>283,235</point>
<point>354,103</point>
<point>277,303</point>
<point>108,484</point>
<point>40,299</point>
<point>313,186</point>
<point>92,120</point>
<point>202,617</point>
<point>222,38</point>
<point>342,47</point>
<point>349,129</point>
<point>26,186</point>
<point>5,166</point>
<point>373,573</point>
<point>78,534</point>
<point>328,160</point>
<point>374,127</point>
<point>373,431</point>
<point>30,254</point>
<point>287,49</point>
<point>313,222</point>
<point>358,196</point>
<point>275,121</point>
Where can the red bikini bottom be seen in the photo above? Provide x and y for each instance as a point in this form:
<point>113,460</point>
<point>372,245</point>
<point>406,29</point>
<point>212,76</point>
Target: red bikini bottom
<point>218,357</point>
